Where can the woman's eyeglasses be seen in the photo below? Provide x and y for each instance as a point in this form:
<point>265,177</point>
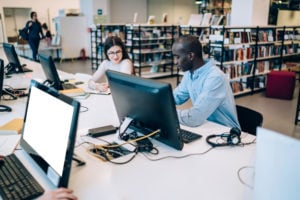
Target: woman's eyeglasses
<point>113,53</point>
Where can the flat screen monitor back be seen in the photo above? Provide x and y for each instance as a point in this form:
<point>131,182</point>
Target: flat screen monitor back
<point>149,103</point>
<point>14,65</point>
<point>50,71</point>
<point>3,108</point>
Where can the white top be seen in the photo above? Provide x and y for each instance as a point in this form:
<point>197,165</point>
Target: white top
<point>125,66</point>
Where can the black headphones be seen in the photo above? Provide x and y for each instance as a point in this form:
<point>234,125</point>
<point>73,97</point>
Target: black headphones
<point>232,139</point>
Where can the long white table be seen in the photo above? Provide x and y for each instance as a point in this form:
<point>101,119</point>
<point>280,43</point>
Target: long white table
<point>209,176</point>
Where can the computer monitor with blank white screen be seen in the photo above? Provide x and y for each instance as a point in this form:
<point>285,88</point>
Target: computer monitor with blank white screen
<point>49,131</point>
<point>149,103</point>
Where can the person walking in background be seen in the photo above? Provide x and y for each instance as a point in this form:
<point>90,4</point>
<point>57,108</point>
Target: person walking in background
<point>117,59</point>
<point>47,33</point>
<point>35,34</point>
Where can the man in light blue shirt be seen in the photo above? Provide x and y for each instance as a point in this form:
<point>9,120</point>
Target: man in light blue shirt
<point>205,84</point>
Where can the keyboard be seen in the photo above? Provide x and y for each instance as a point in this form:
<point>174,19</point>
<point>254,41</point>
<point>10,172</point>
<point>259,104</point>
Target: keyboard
<point>16,182</point>
<point>188,136</point>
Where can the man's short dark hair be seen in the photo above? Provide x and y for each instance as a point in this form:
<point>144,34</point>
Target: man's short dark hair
<point>190,43</point>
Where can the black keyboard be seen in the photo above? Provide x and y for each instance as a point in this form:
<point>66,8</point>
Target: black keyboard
<point>188,136</point>
<point>16,182</point>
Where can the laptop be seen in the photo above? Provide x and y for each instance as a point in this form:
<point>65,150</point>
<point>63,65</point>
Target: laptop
<point>14,65</point>
<point>49,134</point>
<point>277,166</point>
<point>52,77</point>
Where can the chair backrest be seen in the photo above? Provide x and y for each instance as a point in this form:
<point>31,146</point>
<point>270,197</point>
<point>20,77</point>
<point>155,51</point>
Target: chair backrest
<point>249,119</point>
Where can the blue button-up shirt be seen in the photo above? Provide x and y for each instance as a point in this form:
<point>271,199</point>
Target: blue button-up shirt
<point>211,96</point>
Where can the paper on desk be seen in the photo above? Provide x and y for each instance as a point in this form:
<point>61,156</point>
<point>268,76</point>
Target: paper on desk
<point>8,143</point>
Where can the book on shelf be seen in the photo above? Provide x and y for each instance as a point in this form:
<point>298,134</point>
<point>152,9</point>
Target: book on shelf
<point>14,127</point>
<point>237,86</point>
<point>237,38</point>
<point>195,20</point>
<point>206,19</point>
<point>216,20</point>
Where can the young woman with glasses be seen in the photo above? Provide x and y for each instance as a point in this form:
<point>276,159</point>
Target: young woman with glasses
<point>117,59</point>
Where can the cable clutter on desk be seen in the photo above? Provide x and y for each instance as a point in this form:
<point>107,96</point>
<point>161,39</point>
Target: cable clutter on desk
<point>142,144</point>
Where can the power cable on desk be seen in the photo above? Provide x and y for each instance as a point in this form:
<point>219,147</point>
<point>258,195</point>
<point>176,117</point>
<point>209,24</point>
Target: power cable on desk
<point>85,109</point>
<point>239,176</point>
<point>106,151</point>
<point>179,157</point>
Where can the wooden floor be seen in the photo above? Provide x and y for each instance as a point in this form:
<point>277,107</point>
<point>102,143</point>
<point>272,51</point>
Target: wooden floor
<point>279,115</point>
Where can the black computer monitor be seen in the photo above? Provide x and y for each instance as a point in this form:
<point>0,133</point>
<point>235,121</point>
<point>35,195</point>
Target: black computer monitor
<point>14,65</point>
<point>50,72</point>
<point>3,108</point>
<point>49,131</point>
<point>149,103</point>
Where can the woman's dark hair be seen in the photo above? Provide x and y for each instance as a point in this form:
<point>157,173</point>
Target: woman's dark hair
<point>115,41</point>
<point>44,26</point>
<point>32,13</point>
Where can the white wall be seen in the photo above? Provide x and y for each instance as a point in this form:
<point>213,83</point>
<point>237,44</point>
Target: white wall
<point>122,11</point>
<point>90,7</point>
<point>249,12</point>
<point>177,10</point>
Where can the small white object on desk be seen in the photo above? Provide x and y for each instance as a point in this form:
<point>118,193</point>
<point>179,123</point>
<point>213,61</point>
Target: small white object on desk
<point>8,143</point>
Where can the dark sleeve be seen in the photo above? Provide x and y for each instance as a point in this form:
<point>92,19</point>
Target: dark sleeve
<point>41,30</point>
<point>27,24</point>
<point>48,35</point>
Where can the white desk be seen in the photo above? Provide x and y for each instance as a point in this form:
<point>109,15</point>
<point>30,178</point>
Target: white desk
<point>209,176</point>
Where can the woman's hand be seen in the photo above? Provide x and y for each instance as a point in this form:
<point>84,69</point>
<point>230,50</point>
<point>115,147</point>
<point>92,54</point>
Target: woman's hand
<point>102,87</point>
<point>58,194</point>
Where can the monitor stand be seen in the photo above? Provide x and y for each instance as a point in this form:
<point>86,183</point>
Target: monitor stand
<point>5,92</point>
<point>78,160</point>
<point>4,108</point>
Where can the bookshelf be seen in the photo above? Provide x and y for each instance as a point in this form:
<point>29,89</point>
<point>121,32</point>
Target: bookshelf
<point>98,35</point>
<point>150,48</point>
<point>247,54</point>
<point>233,50</point>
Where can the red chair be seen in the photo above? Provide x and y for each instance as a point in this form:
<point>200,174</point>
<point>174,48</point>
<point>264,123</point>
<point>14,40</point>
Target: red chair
<point>280,84</point>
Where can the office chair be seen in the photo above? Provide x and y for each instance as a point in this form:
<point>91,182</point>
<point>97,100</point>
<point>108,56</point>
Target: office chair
<point>249,119</point>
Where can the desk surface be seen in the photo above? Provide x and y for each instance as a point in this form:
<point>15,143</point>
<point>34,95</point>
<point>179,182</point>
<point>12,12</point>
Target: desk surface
<point>209,176</point>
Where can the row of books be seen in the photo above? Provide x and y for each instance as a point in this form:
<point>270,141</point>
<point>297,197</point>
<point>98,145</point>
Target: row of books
<point>238,70</point>
<point>236,37</point>
<point>291,48</point>
<point>267,51</point>
<point>238,86</point>
<point>240,54</point>
<point>255,82</point>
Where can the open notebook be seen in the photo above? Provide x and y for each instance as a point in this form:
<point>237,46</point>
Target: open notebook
<point>49,133</point>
